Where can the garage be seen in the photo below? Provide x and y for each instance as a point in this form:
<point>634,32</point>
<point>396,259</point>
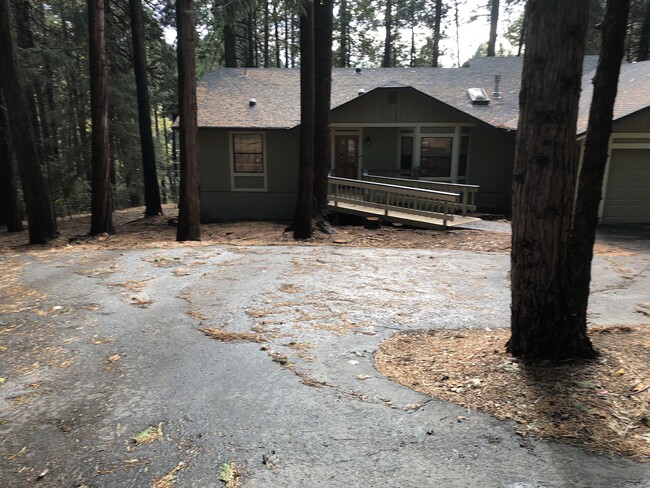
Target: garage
<point>627,195</point>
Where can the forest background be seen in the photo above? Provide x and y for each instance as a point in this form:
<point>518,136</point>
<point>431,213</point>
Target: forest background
<point>52,41</point>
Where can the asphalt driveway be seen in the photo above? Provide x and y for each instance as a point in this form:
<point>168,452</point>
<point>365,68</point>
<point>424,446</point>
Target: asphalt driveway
<point>101,345</point>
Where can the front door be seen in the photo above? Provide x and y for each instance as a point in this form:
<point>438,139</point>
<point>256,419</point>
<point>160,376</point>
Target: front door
<point>347,156</point>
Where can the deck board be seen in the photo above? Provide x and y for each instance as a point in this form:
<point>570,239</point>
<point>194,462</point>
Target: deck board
<point>400,217</point>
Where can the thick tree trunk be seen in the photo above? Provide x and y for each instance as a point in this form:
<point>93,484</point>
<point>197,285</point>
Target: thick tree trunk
<point>267,30</point>
<point>388,37</point>
<point>230,46</point>
<point>544,183</point>
<point>344,35</point>
<point>10,214</point>
<point>436,34</point>
<point>276,33</point>
<point>643,54</point>
<point>323,25</point>
<point>592,170</point>
<point>151,190</point>
<point>250,41</point>
<point>42,224</point>
<point>189,223</point>
<point>102,196</point>
<point>302,219</point>
<point>494,22</point>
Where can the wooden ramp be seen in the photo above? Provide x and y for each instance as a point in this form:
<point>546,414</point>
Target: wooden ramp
<point>417,207</point>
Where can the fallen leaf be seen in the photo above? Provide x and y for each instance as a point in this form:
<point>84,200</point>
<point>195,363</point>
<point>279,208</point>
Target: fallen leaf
<point>3,380</point>
<point>147,435</point>
<point>620,372</point>
<point>114,357</point>
<point>638,387</point>
<point>225,473</point>
<point>363,376</point>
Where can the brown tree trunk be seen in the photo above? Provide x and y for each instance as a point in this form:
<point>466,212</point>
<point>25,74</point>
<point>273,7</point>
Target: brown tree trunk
<point>102,197</point>
<point>643,52</point>
<point>151,189</point>
<point>189,218</point>
<point>323,24</point>
<point>544,183</point>
<point>494,22</point>
<point>302,219</point>
<point>388,38</point>
<point>267,56</point>
<point>230,45</point>
<point>10,214</point>
<point>436,34</point>
<point>42,224</point>
<point>592,171</point>
<point>344,35</point>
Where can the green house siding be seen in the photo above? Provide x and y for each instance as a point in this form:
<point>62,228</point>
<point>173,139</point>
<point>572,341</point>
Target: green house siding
<point>492,155</point>
<point>218,198</point>
<point>399,105</point>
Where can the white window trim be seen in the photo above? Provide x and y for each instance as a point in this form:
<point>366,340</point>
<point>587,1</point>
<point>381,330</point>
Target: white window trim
<point>234,175</point>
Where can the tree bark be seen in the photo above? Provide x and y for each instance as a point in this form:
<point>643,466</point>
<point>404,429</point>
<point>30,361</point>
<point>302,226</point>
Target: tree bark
<point>302,219</point>
<point>643,54</point>
<point>267,30</point>
<point>151,190</point>
<point>10,214</point>
<point>388,38</point>
<point>592,170</point>
<point>323,25</point>
<point>544,183</point>
<point>436,34</point>
<point>344,35</point>
<point>494,22</point>
<point>189,223</point>
<point>42,224</point>
<point>102,196</point>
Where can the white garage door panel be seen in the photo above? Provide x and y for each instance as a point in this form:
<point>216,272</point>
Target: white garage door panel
<point>628,187</point>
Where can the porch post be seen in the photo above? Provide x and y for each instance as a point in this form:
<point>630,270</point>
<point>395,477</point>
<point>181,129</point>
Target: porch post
<point>455,154</point>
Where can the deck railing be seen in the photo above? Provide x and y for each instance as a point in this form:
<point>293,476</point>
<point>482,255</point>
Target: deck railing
<point>392,198</point>
<point>466,203</point>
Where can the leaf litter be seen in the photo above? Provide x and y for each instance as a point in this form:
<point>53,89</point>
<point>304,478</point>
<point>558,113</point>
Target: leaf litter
<point>601,405</point>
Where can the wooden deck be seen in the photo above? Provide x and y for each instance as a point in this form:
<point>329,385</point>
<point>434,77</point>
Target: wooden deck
<point>417,207</point>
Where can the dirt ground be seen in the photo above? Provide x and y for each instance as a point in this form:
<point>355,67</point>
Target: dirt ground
<point>601,405</point>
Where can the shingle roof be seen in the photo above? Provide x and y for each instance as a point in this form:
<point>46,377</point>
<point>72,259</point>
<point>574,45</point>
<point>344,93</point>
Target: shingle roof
<point>633,92</point>
<point>223,95</point>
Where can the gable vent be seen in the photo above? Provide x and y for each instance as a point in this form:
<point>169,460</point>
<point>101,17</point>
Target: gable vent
<point>392,97</point>
<point>478,96</point>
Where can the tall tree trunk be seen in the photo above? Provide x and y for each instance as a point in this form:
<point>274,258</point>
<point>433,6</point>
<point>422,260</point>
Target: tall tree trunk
<point>522,34</point>
<point>323,25</point>
<point>189,207</point>
<point>592,170</point>
<point>457,24</point>
<point>267,30</point>
<point>388,38</point>
<point>643,54</point>
<point>229,37</point>
<point>250,41</point>
<point>494,22</point>
<point>343,60</point>
<point>436,34</point>
<point>10,214</point>
<point>150,177</point>
<point>102,196</point>
<point>276,31</point>
<point>544,183</point>
<point>42,224</point>
<point>302,219</point>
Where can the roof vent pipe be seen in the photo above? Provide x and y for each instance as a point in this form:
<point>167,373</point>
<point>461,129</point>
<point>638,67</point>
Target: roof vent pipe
<point>357,69</point>
<point>361,91</point>
<point>252,102</point>
<point>497,94</point>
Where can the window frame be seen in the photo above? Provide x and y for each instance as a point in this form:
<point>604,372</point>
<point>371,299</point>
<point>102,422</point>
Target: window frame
<point>234,174</point>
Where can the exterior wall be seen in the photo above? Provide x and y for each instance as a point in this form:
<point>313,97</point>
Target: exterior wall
<point>411,107</point>
<point>218,201</point>
<point>381,153</point>
<point>491,162</point>
<point>627,178</point>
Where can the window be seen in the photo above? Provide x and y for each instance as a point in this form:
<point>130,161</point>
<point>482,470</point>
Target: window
<point>248,153</point>
<point>435,156</point>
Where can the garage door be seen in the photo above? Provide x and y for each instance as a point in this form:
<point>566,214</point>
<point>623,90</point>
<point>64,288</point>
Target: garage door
<point>627,198</point>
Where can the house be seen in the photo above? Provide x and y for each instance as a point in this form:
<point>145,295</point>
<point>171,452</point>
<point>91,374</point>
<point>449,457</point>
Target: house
<point>391,120</point>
